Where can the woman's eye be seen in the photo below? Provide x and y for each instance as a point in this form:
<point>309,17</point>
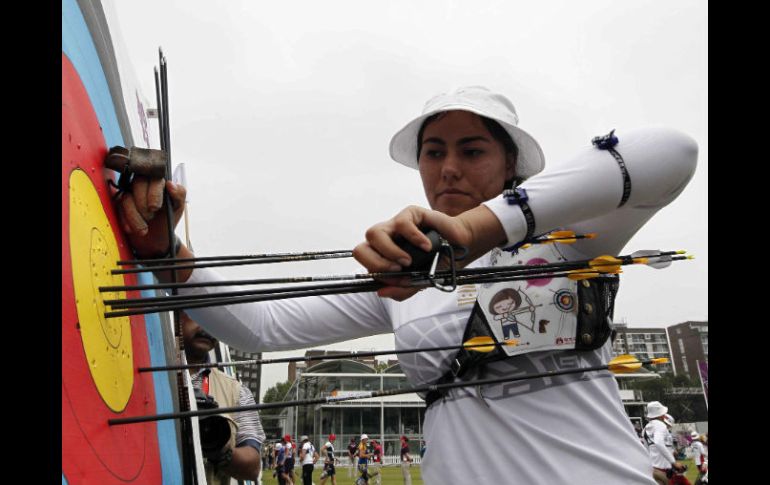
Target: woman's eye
<point>473,152</point>
<point>433,153</point>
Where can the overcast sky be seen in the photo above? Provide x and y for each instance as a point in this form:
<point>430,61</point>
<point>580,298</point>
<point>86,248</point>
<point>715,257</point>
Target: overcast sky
<point>283,111</point>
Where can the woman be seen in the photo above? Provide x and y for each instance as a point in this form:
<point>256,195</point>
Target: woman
<point>468,148</point>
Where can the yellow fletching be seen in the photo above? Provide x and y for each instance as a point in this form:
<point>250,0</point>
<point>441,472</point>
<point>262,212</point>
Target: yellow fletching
<point>641,260</point>
<point>681,251</point>
<point>624,363</point>
<point>582,275</point>
<point>561,234</point>
<point>605,264</point>
<point>591,235</point>
<point>659,360</point>
<point>480,344</point>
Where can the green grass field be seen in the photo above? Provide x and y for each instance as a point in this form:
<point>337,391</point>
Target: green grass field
<point>391,475</point>
<point>692,470</point>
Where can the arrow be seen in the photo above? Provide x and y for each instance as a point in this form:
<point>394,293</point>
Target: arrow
<point>168,303</point>
<point>476,344</point>
<point>237,261</point>
<point>603,264</point>
<point>278,256</point>
<point>562,237</point>
<point>619,365</point>
<point>660,255</point>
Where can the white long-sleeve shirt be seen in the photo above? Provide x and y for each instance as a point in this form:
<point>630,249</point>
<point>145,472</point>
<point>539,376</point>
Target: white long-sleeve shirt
<point>661,456</point>
<point>699,453</point>
<point>565,429</point>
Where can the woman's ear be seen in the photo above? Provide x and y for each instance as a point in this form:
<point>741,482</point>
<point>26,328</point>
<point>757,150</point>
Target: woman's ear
<point>510,167</point>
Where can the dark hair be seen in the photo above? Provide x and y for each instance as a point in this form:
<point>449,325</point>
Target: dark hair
<point>495,129</point>
<point>504,295</point>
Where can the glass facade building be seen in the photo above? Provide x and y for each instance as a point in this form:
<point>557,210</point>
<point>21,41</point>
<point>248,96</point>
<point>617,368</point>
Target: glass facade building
<point>385,419</point>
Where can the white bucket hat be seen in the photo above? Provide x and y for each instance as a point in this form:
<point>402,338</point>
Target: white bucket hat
<point>694,435</point>
<point>669,420</point>
<point>655,409</point>
<point>364,437</point>
<point>483,102</point>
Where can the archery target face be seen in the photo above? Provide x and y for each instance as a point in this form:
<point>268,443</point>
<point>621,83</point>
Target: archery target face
<point>94,251</point>
<point>99,356</point>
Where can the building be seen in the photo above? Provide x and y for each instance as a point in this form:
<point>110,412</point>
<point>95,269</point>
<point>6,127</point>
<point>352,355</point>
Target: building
<point>296,368</point>
<point>385,419</point>
<point>689,344</point>
<point>643,343</point>
<point>250,375</point>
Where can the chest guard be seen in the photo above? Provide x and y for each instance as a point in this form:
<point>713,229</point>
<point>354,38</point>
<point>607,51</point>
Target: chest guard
<point>537,314</point>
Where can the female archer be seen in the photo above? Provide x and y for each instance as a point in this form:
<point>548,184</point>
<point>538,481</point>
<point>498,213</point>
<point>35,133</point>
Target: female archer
<point>485,183</point>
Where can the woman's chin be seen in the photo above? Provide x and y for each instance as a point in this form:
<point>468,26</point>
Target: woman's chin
<point>453,209</point>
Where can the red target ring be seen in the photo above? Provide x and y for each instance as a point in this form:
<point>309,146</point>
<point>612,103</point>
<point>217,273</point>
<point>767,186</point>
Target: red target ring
<point>92,451</point>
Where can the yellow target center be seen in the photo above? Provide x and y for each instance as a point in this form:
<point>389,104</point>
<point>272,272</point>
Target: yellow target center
<point>94,251</point>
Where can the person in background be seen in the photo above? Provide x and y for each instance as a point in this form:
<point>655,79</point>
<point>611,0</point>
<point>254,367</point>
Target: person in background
<point>291,452</point>
<point>655,434</point>
<point>406,461</point>
<point>352,454</point>
<point>327,451</point>
<point>280,463</point>
<point>700,455</point>
<point>308,456</point>
<point>239,458</point>
<point>364,455</point>
<point>377,461</point>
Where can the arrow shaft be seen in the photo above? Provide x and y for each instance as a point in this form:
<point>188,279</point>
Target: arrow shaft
<point>346,355</point>
<point>495,274</point>
<point>299,279</point>
<point>229,263</point>
<point>287,256</point>
<point>418,278</point>
<point>364,395</point>
<point>212,300</point>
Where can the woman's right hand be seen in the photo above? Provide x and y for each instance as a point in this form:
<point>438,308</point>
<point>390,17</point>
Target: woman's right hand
<point>143,214</point>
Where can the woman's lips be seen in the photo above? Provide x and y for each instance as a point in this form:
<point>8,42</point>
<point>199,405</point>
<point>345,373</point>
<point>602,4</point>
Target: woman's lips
<point>452,192</point>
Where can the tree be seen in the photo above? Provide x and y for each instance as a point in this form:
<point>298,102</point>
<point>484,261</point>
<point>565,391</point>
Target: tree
<point>277,392</point>
<point>685,407</point>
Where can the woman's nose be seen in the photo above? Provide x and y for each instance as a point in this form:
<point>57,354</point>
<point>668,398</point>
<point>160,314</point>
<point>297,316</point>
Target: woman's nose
<point>451,167</point>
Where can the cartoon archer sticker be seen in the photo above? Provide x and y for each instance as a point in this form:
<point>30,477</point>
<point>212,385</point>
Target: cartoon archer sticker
<point>503,305</point>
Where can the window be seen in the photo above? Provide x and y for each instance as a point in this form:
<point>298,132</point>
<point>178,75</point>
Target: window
<point>370,420</point>
<point>351,419</point>
<point>392,421</point>
<point>681,346</point>
<point>684,365</point>
<point>410,419</point>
